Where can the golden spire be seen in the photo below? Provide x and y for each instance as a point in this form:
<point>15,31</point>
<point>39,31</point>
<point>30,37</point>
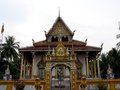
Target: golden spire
<point>59,11</point>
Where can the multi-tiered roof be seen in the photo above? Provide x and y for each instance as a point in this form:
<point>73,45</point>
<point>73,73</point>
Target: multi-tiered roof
<point>61,31</point>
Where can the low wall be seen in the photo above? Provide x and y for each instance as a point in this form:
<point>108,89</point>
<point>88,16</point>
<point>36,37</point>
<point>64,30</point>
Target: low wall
<point>29,85</point>
<point>113,84</point>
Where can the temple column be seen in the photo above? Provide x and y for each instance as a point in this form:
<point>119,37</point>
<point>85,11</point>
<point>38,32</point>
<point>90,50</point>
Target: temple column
<point>87,73</point>
<point>98,65</point>
<point>33,53</point>
<point>91,63</point>
<point>24,70</point>
<point>21,71</point>
<point>95,68</point>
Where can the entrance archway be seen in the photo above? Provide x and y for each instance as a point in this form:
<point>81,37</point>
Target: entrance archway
<point>60,77</point>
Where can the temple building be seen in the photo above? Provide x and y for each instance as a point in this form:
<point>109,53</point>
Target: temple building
<point>60,58</point>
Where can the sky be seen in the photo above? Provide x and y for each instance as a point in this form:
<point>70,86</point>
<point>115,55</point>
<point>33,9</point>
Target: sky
<point>95,20</point>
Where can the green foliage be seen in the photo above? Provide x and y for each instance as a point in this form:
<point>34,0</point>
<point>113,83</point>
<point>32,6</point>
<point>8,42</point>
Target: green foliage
<point>10,56</point>
<point>19,84</point>
<point>9,50</point>
<point>3,66</point>
<point>14,68</point>
<point>102,86</point>
<point>112,58</point>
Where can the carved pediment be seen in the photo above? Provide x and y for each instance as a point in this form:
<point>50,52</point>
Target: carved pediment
<point>59,27</point>
<point>60,53</point>
<point>60,50</point>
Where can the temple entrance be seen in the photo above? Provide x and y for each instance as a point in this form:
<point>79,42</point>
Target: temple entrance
<point>60,77</point>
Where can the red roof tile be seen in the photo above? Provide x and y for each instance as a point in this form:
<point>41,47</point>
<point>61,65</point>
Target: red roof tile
<point>77,46</point>
<point>74,42</point>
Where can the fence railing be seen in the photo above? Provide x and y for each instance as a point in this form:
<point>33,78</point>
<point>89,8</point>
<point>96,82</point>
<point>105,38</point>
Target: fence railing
<point>29,85</point>
<point>91,84</point>
<point>15,77</point>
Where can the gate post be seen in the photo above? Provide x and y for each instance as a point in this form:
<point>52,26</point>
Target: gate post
<point>83,82</point>
<point>37,84</point>
<point>73,73</point>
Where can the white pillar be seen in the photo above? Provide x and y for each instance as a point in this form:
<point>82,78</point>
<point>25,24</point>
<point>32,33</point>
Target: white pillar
<point>24,69</point>
<point>21,74</point>
<point>33,65</point>
<point>84,66</point>
<point>87,65</point>
<point>95,68</point>
<point>98,65</point>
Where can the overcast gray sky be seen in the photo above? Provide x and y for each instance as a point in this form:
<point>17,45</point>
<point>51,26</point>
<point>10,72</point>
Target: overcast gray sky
<point>95,20</point>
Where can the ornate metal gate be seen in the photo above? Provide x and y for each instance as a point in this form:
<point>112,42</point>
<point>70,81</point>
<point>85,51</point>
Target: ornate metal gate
<point>60,84</point>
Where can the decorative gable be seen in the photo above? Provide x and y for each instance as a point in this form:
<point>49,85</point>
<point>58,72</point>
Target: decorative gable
<point>60,50</point>
<point>60,53</point>
<point>58,29</point>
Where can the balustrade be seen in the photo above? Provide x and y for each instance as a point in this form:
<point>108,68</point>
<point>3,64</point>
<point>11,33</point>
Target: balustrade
<point>91,84</point>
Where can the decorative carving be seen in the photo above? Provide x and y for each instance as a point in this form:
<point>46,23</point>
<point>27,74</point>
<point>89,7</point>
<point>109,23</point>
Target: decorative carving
<point>33,41</point>
<point>72,56</point>
<point>37,84</point>
<point>45,33</point>
<point>101,46</point>
<point>73,66</point>
<point>48,66</point>
<point>47,76</point>
<point>83,82</point>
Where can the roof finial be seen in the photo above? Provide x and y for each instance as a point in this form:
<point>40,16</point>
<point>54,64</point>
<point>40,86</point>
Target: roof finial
<point>59,11</point>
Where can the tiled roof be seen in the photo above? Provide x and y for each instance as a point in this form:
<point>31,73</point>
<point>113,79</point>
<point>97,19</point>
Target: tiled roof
<point>73,42</point>
<point>75,45</point>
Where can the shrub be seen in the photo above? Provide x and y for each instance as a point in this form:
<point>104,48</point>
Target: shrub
<point>19,84</point>
<point>102,86</point>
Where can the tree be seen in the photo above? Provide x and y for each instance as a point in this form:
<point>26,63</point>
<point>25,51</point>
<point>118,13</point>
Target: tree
<point>10,48</point>
<point>112,58</point>
<point>10,56</point>
<point>103,63</point>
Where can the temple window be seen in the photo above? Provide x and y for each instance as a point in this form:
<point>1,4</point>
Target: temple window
<point>54,39</point>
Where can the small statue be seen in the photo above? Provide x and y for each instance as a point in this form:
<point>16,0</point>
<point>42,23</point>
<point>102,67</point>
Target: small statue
<point>7,71</point>
<point>37,83</point>
<point>83,83</point>
<point>109,70</point>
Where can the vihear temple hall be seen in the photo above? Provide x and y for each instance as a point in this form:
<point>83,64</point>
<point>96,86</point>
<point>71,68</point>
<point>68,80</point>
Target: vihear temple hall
<point>59,58</point>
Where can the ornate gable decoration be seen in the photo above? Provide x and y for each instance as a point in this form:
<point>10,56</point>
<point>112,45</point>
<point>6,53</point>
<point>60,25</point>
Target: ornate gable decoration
<point>60,50</point>
<point>60,53</point>
<point>59,27</point>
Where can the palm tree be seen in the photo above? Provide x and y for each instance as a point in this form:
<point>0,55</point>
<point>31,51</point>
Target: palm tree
<point>10,48</point>
<point>112,58</point>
